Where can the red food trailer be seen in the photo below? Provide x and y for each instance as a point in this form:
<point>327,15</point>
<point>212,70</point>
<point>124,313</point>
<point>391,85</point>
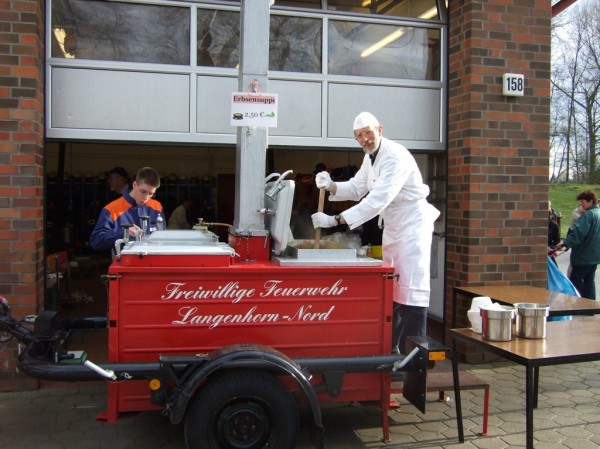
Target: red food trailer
<point>238,339</point>
<point>165,304</point>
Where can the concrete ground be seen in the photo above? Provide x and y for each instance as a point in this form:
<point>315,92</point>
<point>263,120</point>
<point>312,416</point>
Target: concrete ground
<point>62,416</point>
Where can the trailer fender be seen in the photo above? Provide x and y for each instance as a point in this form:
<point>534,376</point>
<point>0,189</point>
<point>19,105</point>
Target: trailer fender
<point>246,356</point>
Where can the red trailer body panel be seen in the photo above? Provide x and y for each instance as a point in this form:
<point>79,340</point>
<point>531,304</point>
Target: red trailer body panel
<point>159,307</point>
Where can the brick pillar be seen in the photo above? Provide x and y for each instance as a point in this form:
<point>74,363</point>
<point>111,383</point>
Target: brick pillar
<point>498,147</point>
<point>21,169</point>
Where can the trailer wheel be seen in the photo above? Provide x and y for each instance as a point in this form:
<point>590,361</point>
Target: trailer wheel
<point>242,410</point>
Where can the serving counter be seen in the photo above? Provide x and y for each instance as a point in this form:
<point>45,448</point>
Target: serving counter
<point>572,341</point>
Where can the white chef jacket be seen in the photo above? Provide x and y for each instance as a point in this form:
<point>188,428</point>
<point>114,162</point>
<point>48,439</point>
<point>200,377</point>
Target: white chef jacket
<point>397,194</point>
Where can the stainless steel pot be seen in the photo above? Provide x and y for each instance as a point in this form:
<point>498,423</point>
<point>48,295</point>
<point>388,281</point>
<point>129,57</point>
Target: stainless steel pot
<point>531,320</point>
<point>497,324</point>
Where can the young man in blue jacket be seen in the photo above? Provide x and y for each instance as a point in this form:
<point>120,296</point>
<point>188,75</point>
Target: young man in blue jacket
<point>127,210</point>
<point>584,241</point>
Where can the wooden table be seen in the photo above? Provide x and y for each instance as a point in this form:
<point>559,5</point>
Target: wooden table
<point>560,303</point>
<point>566,342</point>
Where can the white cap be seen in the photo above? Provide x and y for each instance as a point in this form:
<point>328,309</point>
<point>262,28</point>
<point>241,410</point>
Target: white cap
<point>364,120</point>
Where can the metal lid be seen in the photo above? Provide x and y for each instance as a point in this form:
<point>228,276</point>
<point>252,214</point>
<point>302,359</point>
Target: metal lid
<point>532,309</point>
<point>503,313</point>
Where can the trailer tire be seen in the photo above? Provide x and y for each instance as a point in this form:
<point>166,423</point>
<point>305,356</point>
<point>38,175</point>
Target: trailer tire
<point>242,410</point>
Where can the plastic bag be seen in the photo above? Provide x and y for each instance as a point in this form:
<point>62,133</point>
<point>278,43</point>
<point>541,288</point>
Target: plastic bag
<point>558,282</point>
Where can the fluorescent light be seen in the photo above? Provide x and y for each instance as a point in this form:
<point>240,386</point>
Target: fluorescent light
<point>395,35</point>
<point>430,14</point>
<point>383,42</point>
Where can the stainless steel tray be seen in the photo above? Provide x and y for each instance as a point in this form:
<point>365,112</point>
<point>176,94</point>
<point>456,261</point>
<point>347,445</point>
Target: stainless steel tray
<point>331,254</point>
<point>304,249</point>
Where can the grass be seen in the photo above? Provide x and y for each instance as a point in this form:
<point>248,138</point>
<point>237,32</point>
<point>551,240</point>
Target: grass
<point>562,197</point>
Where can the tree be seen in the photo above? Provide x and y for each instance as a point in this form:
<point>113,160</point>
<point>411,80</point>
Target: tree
<point>575,119</point>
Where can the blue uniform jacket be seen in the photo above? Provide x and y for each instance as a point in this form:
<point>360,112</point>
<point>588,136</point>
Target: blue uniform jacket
<point>123,210</point>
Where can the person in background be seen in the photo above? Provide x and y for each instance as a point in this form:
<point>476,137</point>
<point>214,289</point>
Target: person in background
<point>319,168</point>
<point>553,214</point>
<point>118,180</point>
<point>553,235</point>
<point>128,210</point>
<point>389,184</point>
<point>179,217</point>
<point>577,212</point>
<point>553,230</point>
<point>584,241</point>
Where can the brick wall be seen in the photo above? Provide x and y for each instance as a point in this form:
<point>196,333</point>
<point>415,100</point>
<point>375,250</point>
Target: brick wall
<point>21,168</point>
<point>498,146</point>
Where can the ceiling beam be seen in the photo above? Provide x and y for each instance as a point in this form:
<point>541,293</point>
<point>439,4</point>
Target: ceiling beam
<point>559,7</point>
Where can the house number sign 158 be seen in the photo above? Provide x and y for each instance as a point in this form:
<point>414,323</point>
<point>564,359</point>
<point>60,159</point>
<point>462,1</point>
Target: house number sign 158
<point>513,84</point>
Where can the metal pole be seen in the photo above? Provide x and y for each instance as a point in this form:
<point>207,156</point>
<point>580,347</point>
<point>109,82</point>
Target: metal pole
<point>252,141</point>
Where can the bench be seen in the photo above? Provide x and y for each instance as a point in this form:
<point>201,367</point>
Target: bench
<point>442,381</point>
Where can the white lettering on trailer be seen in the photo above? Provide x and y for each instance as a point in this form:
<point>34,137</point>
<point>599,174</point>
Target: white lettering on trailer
<point>303,314</point>
<point>272,288</point>
<point>189,316</point>
<point>231,290</point>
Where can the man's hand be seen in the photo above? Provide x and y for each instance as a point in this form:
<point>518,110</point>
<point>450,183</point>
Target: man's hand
<point>134,230</point>
<point>321,220</point>
<point>323,180</point>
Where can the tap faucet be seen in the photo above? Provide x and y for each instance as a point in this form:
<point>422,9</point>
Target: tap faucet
<point>121,242</point>
<point>144,230</point>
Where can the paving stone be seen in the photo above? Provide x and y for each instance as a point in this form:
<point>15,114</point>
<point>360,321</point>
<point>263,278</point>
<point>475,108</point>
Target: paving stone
<point>577,443</point>
<point>574,432</point>
<point>567,417</point>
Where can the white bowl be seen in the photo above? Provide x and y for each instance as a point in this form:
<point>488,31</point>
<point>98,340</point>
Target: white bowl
<point>475,319</point>
<point>479,302</point>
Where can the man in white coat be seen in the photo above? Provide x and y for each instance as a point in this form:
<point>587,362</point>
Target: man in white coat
<point>390,176</point>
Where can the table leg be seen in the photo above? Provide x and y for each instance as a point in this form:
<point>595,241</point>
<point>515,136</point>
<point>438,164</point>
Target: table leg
<point>454,296</point>
<point>536,380</point>
<point>530,386</point>
<point>459,421</point>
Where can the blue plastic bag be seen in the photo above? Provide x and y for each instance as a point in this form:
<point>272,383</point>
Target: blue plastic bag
<point>558,282</point>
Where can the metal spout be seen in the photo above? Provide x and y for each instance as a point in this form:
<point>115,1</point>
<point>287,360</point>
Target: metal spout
<point>144,231</point>
<point>121,242</point>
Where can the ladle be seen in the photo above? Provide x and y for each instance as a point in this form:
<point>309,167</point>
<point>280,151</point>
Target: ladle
<point>319,209</point>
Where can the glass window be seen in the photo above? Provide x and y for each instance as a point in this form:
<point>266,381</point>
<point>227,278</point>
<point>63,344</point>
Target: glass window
<point>295,43</point>
<point>218,38</point>
<point>423,9</point>
<point>108,31</point>
<point>389,51</point>
<point>313,4</point>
